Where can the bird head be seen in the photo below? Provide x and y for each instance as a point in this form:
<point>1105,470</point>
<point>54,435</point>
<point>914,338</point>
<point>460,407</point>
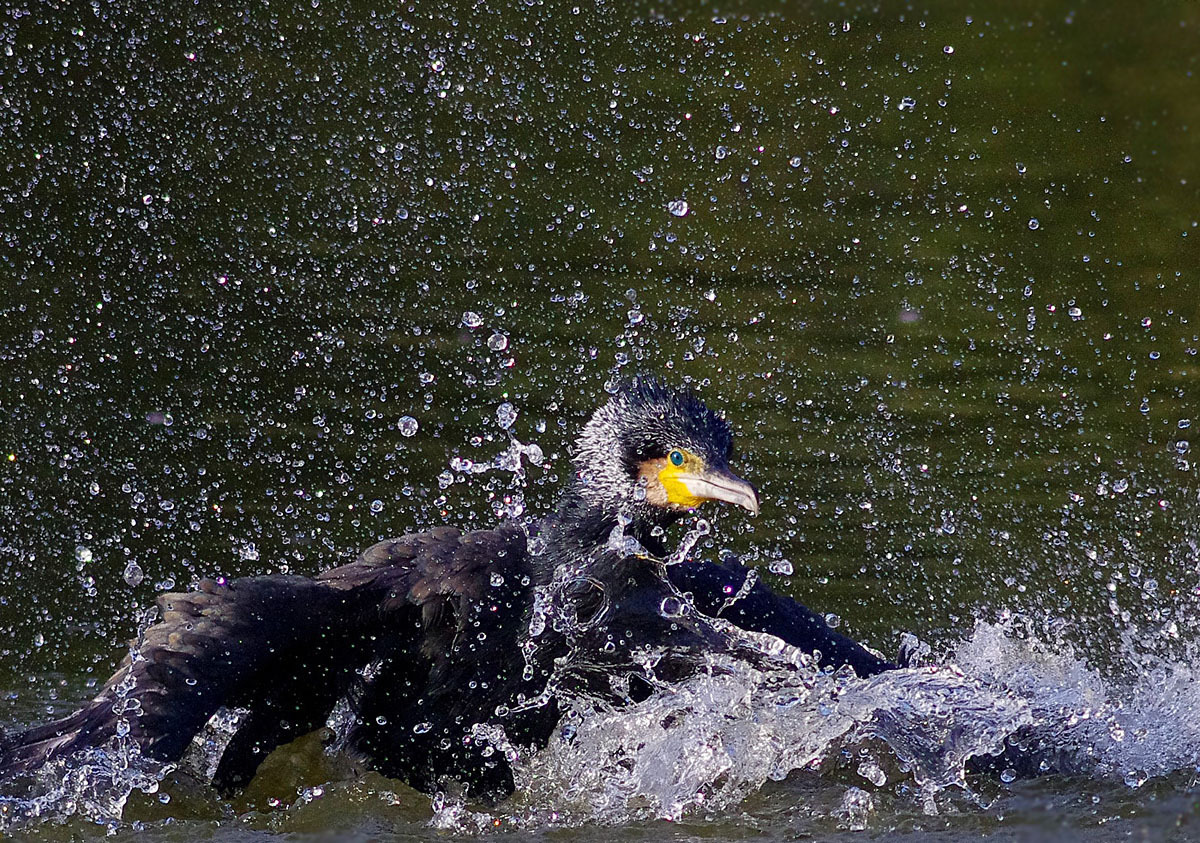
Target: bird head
<point>653,453</point>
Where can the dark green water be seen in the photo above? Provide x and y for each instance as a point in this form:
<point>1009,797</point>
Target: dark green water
<point>938,265</point>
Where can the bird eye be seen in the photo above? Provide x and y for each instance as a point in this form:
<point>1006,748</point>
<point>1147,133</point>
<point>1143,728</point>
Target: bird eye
<point>676,458</point>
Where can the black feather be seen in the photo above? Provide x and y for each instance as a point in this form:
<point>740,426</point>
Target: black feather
<point>430,634</point>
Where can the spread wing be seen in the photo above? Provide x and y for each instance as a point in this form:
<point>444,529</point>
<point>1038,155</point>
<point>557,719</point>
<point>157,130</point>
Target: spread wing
<point>446,719</point>
<point>724,591</point>
<point>284,649</point>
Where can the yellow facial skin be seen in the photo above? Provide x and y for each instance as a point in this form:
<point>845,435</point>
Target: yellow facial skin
<point>692,482</point>
<point>670,477</point>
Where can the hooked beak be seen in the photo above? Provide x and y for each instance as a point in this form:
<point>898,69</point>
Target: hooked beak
<point>720,484</point>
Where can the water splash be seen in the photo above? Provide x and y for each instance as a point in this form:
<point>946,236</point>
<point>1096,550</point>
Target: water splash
<point>698,531</point>
<point>767,712</point>
<point>94,783</point>
<point>203,755</point>
<point>759,711</point>
<point>707,743</point>
<point>1130,728</point>
<point>512,460</point>
<point>509,460</point>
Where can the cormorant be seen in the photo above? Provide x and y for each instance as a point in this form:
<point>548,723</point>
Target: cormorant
<point>432,640</point>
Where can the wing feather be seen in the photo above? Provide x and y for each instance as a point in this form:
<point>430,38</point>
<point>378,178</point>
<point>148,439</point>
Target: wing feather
<point>285,647</point>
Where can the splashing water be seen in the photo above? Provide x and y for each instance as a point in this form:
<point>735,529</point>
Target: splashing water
<point>94,783</point>
<point>512,503</point>
<point>756,711</point>
<point>1131,728</point>
<point>698,531</point>
<point>764,711</point>
<point>705,744</point>
<point>709,742</point>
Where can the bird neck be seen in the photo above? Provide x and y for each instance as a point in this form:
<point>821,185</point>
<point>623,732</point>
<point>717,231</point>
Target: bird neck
<point>581,528</point>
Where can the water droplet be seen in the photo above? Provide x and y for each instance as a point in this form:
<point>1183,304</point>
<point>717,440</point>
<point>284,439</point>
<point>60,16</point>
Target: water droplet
<point>497,342</point>
<point>376,506</point>
<point>671,607</point>
<point>471,319</point>
<point>83,554</point>
<point>1008,776</point>
<point>795,162</point>
<point>506,414</point>
<point>948,50</point>
<point>781,566</point>
<point>872,772</point>
<point>408,426</point>
<point>1034,225</point>
<point>422,727</point>
<point>678,207</point>
<point>497,579</point>
<point>533,453</point>
<point>856,809</point>
<point>133,574</point>
<point>1136,778</point>
<point>906,104</point>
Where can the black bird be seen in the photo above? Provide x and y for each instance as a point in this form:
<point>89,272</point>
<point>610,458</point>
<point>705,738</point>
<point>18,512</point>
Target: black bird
<point>432,643</point>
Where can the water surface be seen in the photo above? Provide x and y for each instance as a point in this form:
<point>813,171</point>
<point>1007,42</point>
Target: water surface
<point>936,264</point>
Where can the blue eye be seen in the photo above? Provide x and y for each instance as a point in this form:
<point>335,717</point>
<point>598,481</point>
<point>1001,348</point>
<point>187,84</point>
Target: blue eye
<point>676,458</point>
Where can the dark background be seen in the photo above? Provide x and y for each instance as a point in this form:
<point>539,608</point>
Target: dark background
<point>938,267</point>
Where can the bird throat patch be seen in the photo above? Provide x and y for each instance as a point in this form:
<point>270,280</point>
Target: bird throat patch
<point>664,486</point>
